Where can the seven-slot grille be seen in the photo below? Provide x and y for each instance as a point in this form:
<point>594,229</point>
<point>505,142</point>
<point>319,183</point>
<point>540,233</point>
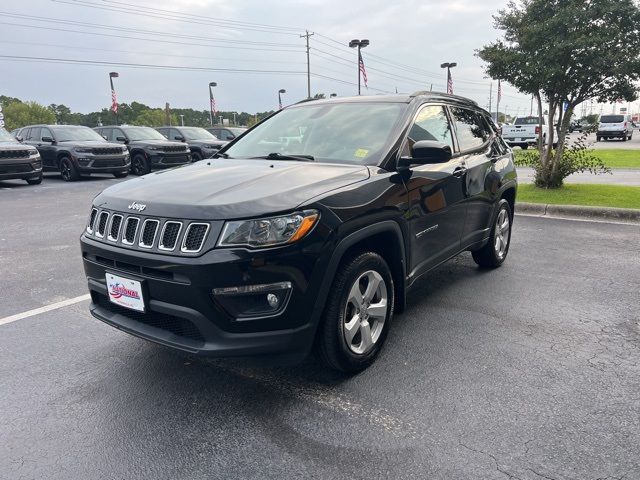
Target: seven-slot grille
<point>148,233</point>
<point>177,148</point>
<point>107,151</point>
<point>14,153</point>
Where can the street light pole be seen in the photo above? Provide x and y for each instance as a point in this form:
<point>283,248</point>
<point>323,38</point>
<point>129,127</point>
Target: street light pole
<point>182,119</point>
<point>360,44</point>
<point>449,66</point>
<point>114,98</point>
<point>280,92</point>
<point>212,103</point>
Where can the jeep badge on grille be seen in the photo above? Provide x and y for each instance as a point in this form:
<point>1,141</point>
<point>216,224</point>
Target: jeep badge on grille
<point>137,206</point>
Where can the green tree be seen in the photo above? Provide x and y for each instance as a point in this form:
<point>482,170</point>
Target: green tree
<point>566,52</point>
<point>19,114</point>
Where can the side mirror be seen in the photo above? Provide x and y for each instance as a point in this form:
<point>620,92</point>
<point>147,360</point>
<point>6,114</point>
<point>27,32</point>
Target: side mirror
<point>47,139</point>
<point>105,137</point>
<point>230,137</point>
<point>426,152</point>
<point>19,138</point>
<point>121,139</point>
<point>179,138</point>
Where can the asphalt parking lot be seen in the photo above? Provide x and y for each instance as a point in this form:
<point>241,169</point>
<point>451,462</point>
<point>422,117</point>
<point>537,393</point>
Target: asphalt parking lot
<point>530,371</point>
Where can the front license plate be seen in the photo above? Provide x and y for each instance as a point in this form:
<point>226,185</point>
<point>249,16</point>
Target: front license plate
<point>125,292</point>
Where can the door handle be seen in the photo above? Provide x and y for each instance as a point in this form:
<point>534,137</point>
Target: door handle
<point>459,171</point>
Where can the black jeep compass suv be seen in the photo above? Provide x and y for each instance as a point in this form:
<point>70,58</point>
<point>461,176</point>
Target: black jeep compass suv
<point>305,232</point>
<point>74,151</point>
<point>148,148</point>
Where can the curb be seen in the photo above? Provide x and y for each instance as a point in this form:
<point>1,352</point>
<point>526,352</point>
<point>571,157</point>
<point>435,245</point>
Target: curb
<point>625,215</point>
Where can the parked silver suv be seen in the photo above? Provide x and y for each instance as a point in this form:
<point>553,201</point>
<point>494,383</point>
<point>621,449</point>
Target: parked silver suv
<point>19,161</point>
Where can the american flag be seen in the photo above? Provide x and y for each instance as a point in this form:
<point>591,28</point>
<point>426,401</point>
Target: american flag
<point>114,101</point>
<point>449,82</point>
<point>362,69</point>
<point>213,106</point>
<point>499,91</point>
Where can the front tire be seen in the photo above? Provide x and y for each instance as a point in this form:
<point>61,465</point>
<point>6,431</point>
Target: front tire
<point>196,157</point>
<point>140,165</point>
<point>494,253</point>
<point>358,314</point>
<point>68,170</point>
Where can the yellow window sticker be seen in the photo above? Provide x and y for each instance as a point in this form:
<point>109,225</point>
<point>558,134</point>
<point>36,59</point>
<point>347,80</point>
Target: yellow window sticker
<point>361,153</point>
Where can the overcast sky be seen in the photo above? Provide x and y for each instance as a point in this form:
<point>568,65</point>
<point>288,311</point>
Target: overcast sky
<point>409,38</point>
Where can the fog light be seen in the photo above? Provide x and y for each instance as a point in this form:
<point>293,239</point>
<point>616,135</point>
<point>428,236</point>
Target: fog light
<point>251,302</point>
<point>84,161</point>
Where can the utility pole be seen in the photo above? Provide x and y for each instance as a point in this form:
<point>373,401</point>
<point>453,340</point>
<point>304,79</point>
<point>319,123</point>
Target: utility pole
<point>167,114</point>
<point>531,111</point>
<point>306,36</point>
<point>491,98</point>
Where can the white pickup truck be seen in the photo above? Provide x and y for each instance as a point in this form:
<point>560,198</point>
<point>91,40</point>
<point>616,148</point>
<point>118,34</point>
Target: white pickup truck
<point>524,132</point>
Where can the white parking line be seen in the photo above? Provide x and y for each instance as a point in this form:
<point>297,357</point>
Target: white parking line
<point>46,308</point>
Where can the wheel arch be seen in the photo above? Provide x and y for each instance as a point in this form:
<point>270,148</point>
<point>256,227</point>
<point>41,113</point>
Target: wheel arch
<point>509,194</point>
<point>384,238</point>
<point>62,154</point>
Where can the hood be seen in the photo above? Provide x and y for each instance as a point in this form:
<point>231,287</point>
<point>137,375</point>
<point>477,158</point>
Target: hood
<point>200,142</point>
<point>223,189</point>
<point>15,146</point>
<point>162,143</point>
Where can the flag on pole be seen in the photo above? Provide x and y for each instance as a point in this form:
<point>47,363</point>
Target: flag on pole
<point>362,69</point>
<point>449,82</point>
<point>114,101</point>
<point>213,106</point>
<point>499,91</point>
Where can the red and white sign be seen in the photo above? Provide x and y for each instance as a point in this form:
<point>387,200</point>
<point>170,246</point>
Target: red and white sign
<point>125,292</point>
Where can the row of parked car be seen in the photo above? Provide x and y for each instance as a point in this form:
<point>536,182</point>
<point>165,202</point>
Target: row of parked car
<point>75,150</point>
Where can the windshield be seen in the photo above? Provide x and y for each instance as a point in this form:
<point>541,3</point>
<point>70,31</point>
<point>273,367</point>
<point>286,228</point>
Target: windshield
<point>353,133</point>
<point>6,136</point>
<point>77,134</point>
<point>196,133</point>
<point>527,121</point>
<point>611,119</point>
<point>142,133</point>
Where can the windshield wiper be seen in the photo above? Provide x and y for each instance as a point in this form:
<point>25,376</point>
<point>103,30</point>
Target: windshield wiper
<point>221,155</point>
<point>280,156</point>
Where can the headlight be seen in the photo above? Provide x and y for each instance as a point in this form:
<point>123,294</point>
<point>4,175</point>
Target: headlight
<point>155,148</point>
<point>124,149</point>
<point>212,147</point>
<point>34,153</point>
<point>83,149</point>
<point>268,232</point>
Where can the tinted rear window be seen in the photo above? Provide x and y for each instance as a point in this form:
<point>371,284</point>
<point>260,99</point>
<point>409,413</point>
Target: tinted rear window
<point>612,119</point>
<point>527,121</point>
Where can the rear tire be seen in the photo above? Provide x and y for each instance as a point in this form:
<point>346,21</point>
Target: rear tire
<point>35,181</point>
<point>140,165</point>
<point>358,314</point>
<point>68,170</point>
<point>494,253</point>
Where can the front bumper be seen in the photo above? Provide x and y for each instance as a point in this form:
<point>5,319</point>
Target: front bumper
<point>168,160</point>
<point>182,311</point>
<point>89,163</point>
<point>16,169</point>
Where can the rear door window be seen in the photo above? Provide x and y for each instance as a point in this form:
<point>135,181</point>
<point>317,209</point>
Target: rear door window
<point>612,119</point>
<point>470,128</point>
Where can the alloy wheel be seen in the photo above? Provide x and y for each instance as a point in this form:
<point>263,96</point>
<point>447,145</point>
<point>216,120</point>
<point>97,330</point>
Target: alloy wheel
<point>65,171</point>
<point>365,312</point>
<point>502,232</point>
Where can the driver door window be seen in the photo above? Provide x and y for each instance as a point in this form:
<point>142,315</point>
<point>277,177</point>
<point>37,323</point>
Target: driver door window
<point>431,123</point>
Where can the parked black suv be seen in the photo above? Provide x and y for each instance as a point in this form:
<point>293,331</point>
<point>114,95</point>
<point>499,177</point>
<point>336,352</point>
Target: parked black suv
<point>201,143</point>
<point>306,231</point>
<point>74,151</point>
<point>18,161</point>
<point>148,148</point>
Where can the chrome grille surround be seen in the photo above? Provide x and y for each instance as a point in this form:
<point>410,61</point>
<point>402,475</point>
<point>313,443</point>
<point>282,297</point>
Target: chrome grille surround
<point>184,248</point>
<point>92,219</point>
<point>102,224</point>
<point>163,243</point>
<point>125,235</point>
<point>116,221</point>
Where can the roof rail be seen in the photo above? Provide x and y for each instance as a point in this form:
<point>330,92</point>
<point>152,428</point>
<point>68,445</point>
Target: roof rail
<point>442,94</point>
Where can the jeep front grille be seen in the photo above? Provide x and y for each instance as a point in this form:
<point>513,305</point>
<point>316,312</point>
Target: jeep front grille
<point>152,234</point>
